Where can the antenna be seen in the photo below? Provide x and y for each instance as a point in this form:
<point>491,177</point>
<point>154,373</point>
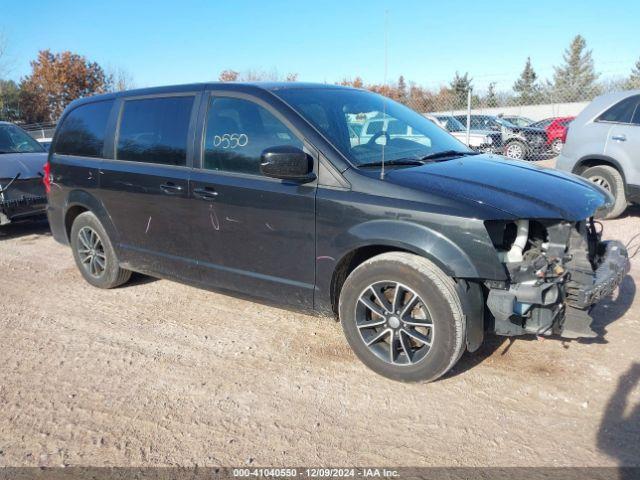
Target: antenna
<point>384,83</point>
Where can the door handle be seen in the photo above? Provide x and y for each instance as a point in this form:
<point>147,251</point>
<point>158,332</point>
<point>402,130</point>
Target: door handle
<point>205,193</point>
<point>620,138</point>
<point>170,188</point>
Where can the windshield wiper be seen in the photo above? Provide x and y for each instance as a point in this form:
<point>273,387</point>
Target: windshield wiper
<point>399,161</point>
<point>447,154</point>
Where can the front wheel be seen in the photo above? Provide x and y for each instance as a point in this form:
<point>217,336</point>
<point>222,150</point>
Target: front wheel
<point>516,150</point>
<point>94,254</point>
<point>402,317</point>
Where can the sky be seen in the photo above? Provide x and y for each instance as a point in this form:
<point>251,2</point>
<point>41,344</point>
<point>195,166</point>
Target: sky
<point>165,42</point>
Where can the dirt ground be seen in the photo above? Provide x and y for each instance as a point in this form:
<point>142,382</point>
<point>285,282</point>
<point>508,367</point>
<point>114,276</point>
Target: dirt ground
<point>158,373</point>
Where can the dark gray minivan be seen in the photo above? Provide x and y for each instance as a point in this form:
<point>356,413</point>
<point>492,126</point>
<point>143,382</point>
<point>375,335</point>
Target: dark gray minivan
<point>418,244</point>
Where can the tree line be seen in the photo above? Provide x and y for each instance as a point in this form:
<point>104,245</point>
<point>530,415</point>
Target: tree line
<point>56,79</point>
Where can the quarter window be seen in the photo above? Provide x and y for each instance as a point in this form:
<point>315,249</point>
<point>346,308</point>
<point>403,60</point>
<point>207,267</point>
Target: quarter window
<point>621,112</point>
<point>155,130</point>
<point>237,133</point>
<point>83,130</point>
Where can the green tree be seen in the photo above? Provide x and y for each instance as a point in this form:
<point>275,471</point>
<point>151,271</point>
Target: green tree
<point>491,98</point>
<point>575,79</point>
<point>9,101</point>
<point>634,78</point>
<point>526,88</point>
<point>402,89</point>
<point>460,87</point>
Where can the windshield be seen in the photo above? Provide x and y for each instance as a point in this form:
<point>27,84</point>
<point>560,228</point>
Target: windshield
<point>15,140</point>
<point>505,123</point>
<point>361,124</point>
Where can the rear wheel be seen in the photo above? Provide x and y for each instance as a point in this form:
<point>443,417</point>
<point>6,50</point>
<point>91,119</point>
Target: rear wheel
<point>516,150</point>
<point>402,317</point>
<point>94,254</point>
<point>610,179</point>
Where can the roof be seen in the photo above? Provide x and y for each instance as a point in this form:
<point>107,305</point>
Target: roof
<point>245,87</point>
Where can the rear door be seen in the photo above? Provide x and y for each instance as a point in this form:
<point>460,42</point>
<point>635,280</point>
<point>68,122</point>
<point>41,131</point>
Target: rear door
<point>145,183</point>
<point>251,234</point>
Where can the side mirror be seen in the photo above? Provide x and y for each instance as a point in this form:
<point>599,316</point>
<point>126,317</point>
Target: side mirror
<point>287,163</point>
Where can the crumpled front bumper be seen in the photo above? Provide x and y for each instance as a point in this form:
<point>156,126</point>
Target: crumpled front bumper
<point>23,199</point>
<point>608,276</point>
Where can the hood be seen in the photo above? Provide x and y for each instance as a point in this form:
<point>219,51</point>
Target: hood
<point>29,165</point>
<point>515,188</point>
<point>483,133</point>
<point>528,130</point>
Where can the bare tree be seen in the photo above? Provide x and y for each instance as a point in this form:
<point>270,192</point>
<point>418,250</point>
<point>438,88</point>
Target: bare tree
<point>119,79</point>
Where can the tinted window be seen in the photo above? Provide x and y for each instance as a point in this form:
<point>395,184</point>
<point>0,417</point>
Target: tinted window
<point>154,130</point>
<point>82,131</point>
<point>621,112</point>
<point>238,131</point>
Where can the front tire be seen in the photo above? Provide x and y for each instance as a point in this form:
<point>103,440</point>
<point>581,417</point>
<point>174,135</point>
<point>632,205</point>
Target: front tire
<point>610,179</point>
<point>94,254</point>
<point>516,150</point>
<point>402,317</point>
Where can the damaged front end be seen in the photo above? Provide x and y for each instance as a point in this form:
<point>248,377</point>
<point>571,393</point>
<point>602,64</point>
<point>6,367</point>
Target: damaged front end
<point>21,198</point>
<point>557,270</point>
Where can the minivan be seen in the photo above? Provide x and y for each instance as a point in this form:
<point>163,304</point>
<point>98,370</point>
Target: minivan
<point>419,246</point>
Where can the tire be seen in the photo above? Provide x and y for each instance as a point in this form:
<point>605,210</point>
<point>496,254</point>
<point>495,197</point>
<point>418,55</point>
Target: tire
<point>438,308</point>
<point>516,150</point>
<point>96,259</point>
<point>610,179</point>
<point>556,146</point>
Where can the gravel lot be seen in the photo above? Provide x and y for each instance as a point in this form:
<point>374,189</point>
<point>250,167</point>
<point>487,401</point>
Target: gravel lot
<point>158,373</point>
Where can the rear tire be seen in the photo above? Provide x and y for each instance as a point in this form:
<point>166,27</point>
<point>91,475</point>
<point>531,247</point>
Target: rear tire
<point>405,341</point>
<point>94,254</point>
<point>611,180</point>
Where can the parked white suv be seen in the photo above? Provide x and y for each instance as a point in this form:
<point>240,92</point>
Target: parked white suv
<point>603,145</point>
<point>487,141</point>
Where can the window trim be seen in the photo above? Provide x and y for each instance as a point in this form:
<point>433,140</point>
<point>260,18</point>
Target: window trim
<point>613,122</point>
<point>107,129</point>
<point>202,131</point>
<point>191,128</point>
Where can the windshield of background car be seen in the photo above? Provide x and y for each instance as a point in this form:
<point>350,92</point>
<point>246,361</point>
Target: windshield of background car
<point>403,133</point>
<point>452,124</point>
<point>16,140</point>
<point>505,123</point>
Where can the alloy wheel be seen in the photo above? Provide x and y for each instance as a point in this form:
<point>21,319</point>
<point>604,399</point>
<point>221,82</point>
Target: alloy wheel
<point>514,150</point>
<point>394,323</point>
<point>91,252</point>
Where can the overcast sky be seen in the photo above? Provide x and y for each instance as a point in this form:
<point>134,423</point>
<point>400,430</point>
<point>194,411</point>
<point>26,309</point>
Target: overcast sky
<point>165,42</point>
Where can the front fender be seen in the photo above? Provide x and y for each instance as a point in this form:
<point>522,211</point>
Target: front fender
<point>418,239</point>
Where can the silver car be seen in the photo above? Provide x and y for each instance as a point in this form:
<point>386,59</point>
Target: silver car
<point>487,141</point>
<point>603,145</point>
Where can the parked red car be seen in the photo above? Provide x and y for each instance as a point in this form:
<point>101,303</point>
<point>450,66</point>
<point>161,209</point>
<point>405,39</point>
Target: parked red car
<point>556,130</point>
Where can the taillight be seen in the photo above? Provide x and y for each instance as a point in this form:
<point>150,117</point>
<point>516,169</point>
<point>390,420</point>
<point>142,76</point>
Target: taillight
<point>46,179</point>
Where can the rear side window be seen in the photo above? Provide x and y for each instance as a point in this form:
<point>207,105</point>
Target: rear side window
<point>83,130</point>
<point>621,112</point>
<point>155,130</point>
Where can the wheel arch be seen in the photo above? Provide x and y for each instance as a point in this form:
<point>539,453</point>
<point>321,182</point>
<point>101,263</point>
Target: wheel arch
<point>593,161</point>
<point>381,236</point>
<point>79,202</point>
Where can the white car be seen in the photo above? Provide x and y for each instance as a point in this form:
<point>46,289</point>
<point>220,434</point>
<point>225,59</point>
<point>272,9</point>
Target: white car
<point>481,140</point>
